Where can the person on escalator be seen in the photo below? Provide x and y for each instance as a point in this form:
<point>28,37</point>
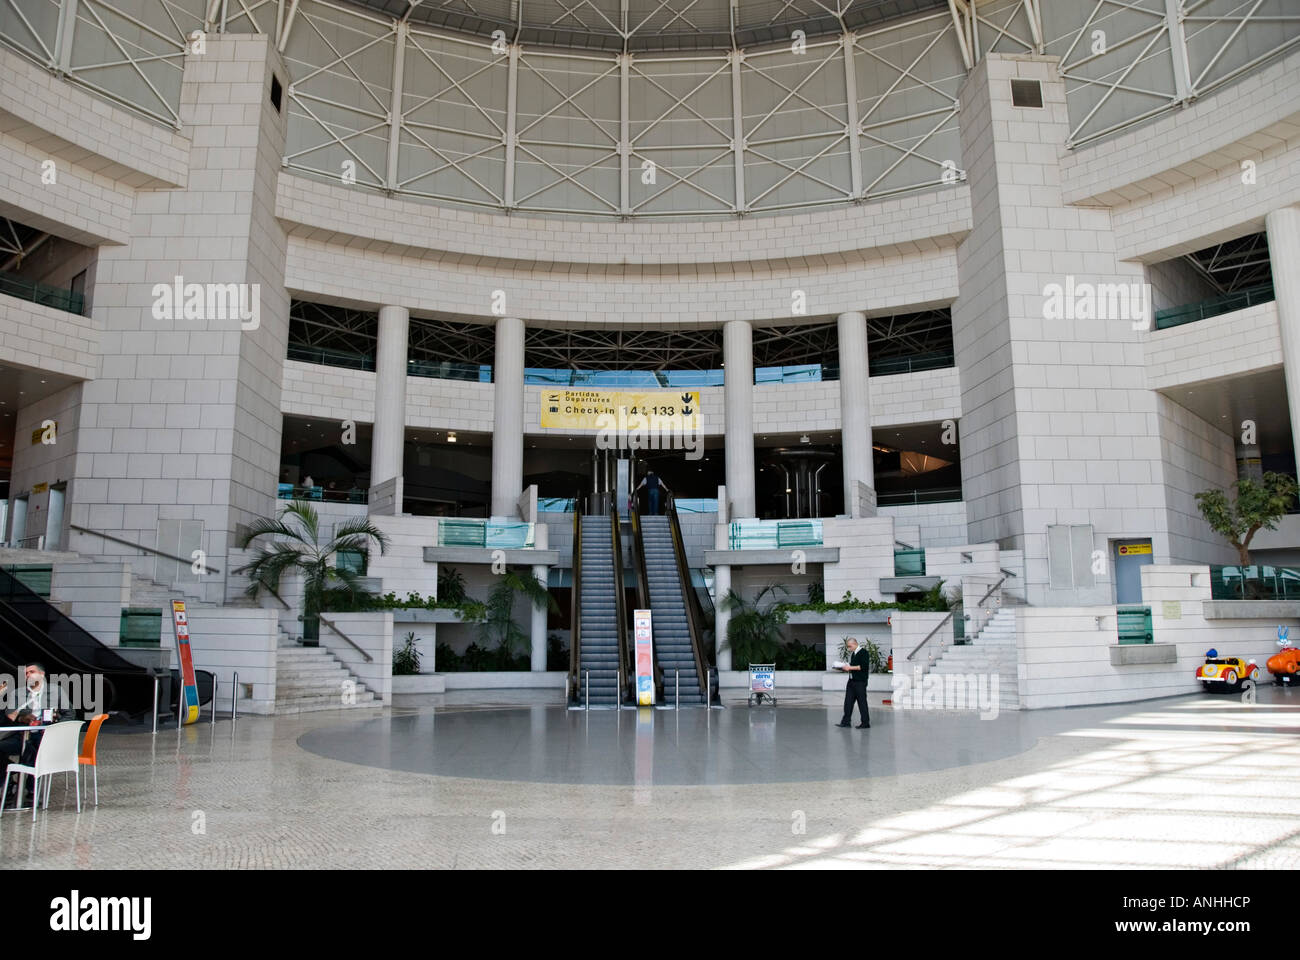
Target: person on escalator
<point>652,483</point>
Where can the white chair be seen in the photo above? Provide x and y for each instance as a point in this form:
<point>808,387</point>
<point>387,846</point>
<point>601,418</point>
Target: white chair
<point>56,754</point>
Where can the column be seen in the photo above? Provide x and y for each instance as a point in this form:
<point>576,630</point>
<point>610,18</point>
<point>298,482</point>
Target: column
<point>390,397</point>
<point>855,408</point>
<point>537,633</point>
<point>738,404</point>
<point>508,417</point>
<point>1283,228</point>
<point>721,617</point>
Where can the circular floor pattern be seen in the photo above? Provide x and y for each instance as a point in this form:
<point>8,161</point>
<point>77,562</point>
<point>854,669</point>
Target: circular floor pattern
<point>549,744</point>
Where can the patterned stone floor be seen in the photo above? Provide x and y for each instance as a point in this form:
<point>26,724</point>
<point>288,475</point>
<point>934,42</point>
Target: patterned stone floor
<point>1161,784</point>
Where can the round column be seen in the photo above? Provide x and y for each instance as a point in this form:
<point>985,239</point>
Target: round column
<point>390,395</point>
<point>1283,227</point>
<point>855,408</point>
<point>738,404</point>
<point>508,417</point>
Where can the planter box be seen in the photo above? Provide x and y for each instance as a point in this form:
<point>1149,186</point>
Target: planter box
<point>418,689</point>
<point>841,616</point>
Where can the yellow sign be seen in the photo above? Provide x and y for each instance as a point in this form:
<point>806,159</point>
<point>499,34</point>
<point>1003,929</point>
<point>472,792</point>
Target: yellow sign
<point>1173,610</point>
<point>1133,549</point>
<point>564,409</point>
<point>40,488</point>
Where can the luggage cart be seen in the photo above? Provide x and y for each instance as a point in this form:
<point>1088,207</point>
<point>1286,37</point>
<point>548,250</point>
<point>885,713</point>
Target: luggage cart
<point>762,681</point>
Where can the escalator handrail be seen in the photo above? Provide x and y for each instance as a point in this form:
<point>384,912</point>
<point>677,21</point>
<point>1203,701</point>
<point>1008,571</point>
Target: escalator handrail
<point>643,583</point>
<point>575,604</point>
<point>694,621</point>
<point>620,596</point>
<point>11,587</point>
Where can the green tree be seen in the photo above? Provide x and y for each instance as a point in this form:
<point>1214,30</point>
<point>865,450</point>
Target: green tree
<point>1259,505</point>
<point>296,545</point>
<point>498,627</point>
<point>754,630</point>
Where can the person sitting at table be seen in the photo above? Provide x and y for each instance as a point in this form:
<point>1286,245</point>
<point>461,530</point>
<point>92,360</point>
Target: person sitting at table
<point>308,482</point>
<point>35,700</point>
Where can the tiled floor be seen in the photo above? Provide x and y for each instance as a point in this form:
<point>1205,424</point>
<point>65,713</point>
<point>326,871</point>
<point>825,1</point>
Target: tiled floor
<point>1192,781</point>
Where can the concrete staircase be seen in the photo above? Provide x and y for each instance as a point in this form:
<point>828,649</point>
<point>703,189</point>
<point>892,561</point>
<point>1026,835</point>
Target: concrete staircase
<point>311,678</point>
<point>150,593</point>
<point>991,651</point>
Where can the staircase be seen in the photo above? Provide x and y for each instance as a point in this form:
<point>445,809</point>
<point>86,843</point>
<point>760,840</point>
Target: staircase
<point>150,593</point>
<point>600,630</point>
<point>311,678</point>
<point>672,637</point>
<point>991,651</point>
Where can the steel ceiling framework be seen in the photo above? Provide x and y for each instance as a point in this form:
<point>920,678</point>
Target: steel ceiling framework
<point>1235,265</point>
<point>1125,61</point>
<point>391,99</point>
<point>443,340</point>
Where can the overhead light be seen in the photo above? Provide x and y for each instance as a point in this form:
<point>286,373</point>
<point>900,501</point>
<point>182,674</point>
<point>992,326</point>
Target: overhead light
<point>451,437</point>
<point>804,439</point>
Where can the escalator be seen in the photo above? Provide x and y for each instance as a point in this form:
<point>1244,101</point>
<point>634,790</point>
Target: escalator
<point>34,631</point>
<point>598,652</point>
<point>665,588</point>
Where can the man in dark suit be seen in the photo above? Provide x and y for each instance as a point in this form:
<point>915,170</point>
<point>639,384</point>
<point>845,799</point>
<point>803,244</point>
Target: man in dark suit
<point>859,669</point>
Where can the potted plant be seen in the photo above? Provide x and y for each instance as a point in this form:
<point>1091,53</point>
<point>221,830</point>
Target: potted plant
<point>754,630</point>
<point>406,661</point>
<point>296,545</point>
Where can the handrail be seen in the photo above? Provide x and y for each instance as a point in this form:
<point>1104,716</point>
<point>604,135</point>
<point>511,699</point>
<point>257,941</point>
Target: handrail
<point>620,598</point>
<point>332,626</point>
<point>643,582</point>
<point>693,616</point>
<point>141,547</point>
<point>575,602</point>
<point>930,634</point>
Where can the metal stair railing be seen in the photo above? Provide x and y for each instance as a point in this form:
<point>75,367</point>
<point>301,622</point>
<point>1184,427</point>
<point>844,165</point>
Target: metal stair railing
<point>643,584</point>
<point>620,602</point>
<point>575,604</point>
<point>694,617</point>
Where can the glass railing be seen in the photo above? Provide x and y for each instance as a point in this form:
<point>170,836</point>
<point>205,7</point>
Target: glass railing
<point>331,358</point>
<point>912,497</point>
<point>774,534</point>
<point>1254,583</point>
<point>909,563</point>
<point>450,370</point>
<point>289,491</point>
<point>42,293</point>
<point>1189,313</point>
<point>887,366</point>
<point>489,534</point>
<point>696,504</point>
<point>1135,625</point>
<point>555,504</point>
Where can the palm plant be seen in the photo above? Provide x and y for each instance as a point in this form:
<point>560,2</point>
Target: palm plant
<point>754,630</point>
<point>296,546</point>
<point>498,627</point>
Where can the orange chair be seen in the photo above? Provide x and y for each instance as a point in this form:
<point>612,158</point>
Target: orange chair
<point>88,749</point>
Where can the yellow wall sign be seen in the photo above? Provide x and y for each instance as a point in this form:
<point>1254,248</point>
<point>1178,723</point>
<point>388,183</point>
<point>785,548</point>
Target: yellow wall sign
<point>1133,549</point>
<point>40,488</point>
<point>619,409</point>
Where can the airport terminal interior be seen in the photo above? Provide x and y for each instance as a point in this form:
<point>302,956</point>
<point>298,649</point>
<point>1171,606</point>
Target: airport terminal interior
<point>455,433</point>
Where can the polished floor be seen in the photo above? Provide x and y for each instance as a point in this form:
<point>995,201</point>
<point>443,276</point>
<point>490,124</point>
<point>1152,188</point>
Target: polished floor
<point>517,781</point>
